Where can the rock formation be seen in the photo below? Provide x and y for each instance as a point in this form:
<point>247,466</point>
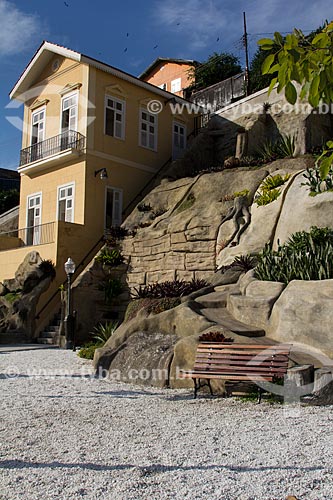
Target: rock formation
<point>19,298</point>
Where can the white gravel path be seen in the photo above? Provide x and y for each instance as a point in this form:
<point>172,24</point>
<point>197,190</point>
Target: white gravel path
<point>69,437</point>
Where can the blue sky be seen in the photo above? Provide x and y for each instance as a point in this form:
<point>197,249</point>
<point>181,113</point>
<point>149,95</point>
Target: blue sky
<point>105,28</point>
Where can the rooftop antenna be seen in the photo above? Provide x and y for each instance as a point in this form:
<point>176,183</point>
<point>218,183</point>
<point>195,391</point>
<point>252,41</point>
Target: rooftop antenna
<point>246,47</point>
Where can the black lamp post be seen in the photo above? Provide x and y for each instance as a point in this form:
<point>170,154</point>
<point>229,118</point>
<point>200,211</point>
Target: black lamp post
<point>69,319</point>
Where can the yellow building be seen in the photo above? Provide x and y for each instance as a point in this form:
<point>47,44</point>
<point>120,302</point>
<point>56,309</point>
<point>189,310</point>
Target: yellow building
<point>91,140</point>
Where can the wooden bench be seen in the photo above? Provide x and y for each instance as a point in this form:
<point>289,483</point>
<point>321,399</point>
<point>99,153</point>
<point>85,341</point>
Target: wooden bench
<point>238,362</point>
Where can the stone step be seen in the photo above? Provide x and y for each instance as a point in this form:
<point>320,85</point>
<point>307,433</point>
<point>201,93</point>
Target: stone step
<point>215,300</point>
<point>45,341</point>
<point>52,328</point>
<point>218,298</point>
<point>223,318</point>
<point>47,335</point>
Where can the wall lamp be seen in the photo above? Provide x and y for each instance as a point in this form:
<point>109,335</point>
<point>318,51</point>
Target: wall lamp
<point>103,173</point>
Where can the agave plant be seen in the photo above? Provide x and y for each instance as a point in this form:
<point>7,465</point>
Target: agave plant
<point>305,256</point>
<point>286,146</point>
<point>104,332</point>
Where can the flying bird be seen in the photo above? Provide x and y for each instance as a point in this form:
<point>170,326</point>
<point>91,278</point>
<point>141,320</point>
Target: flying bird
<point>218,39</point>
<point>155,47</point>
<point>127,34</point>
<point>125,50</point>
<point>66,4</point>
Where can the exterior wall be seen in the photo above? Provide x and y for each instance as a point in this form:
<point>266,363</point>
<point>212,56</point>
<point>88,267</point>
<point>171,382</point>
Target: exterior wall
<point>129,148</point>
<point>47,182</point>
<point>70,240</point>
<point>309,128</point>
<point>129,165</point>
<point>166,72</point>
<point>49,87</point>
<point>12,258</point>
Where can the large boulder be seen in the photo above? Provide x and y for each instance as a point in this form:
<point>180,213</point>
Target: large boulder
<point>303,314</point>
<point>260,231</point>
<point>301,211</point>
<point>162,331</point>
<point>20,296</point>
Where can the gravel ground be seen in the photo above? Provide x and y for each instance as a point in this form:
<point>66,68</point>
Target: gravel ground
<point>64,436</point>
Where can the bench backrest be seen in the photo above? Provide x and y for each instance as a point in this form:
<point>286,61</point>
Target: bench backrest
<point>253,361</point>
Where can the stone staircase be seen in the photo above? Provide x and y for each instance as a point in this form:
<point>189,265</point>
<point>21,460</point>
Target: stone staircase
<point>214,307</point>
<point>50,335</point>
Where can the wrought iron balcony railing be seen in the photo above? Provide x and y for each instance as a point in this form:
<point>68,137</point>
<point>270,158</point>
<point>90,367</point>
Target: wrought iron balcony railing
<point>52,146</point>
<point>33,235</point>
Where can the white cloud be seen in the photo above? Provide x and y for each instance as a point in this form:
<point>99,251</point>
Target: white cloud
<point>18,30</point>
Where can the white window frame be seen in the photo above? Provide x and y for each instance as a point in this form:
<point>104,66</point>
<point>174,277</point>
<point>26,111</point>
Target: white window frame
<point>141,122</point>
<point>34,113</point>
<point>174,147</point>
<point>36,232</point>
<point>176,85</point>
<point>122,113</point>
<point>68,96</point>
<point>59,188</point>
<point>120,192</point>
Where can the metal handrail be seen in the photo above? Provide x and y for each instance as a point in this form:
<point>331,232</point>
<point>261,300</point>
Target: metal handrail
<point>41,234</point>
<point>52,146</point>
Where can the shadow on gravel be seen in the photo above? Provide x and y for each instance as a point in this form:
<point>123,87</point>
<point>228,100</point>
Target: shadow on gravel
<point>126,394</point>
<point>150,469</point>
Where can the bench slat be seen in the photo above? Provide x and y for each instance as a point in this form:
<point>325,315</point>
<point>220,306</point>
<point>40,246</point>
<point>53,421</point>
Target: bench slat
<point>222,355</point>
<point>246,362</point>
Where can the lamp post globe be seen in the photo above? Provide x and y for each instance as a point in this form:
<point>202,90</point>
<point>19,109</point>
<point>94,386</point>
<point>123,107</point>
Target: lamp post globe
<point>69,319</point>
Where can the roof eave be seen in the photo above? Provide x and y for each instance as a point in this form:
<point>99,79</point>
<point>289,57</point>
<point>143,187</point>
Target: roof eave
<point>19,88</point>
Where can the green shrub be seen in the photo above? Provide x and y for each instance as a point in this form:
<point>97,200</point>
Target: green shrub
<point>88,350</point>
<point>111,287</point>
<point>268,191</point>
<point>305,256</point>
<point>110,257</point>
<point>236,194</point>
<point>11,297</point>
<point>315,183</point>
<point>273,181</point>
<point>267,197</point>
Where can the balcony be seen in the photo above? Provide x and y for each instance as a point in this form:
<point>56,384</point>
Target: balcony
<point>42,234</point>
<point>52,150</point>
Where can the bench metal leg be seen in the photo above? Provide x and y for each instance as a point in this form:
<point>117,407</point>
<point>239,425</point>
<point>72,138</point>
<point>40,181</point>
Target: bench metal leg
<point>196,387</point>
<point>260,393</point>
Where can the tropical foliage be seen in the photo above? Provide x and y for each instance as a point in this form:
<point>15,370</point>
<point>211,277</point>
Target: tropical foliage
<point>216,68</point>
<point>307,61</point>
<point>305,256</point>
